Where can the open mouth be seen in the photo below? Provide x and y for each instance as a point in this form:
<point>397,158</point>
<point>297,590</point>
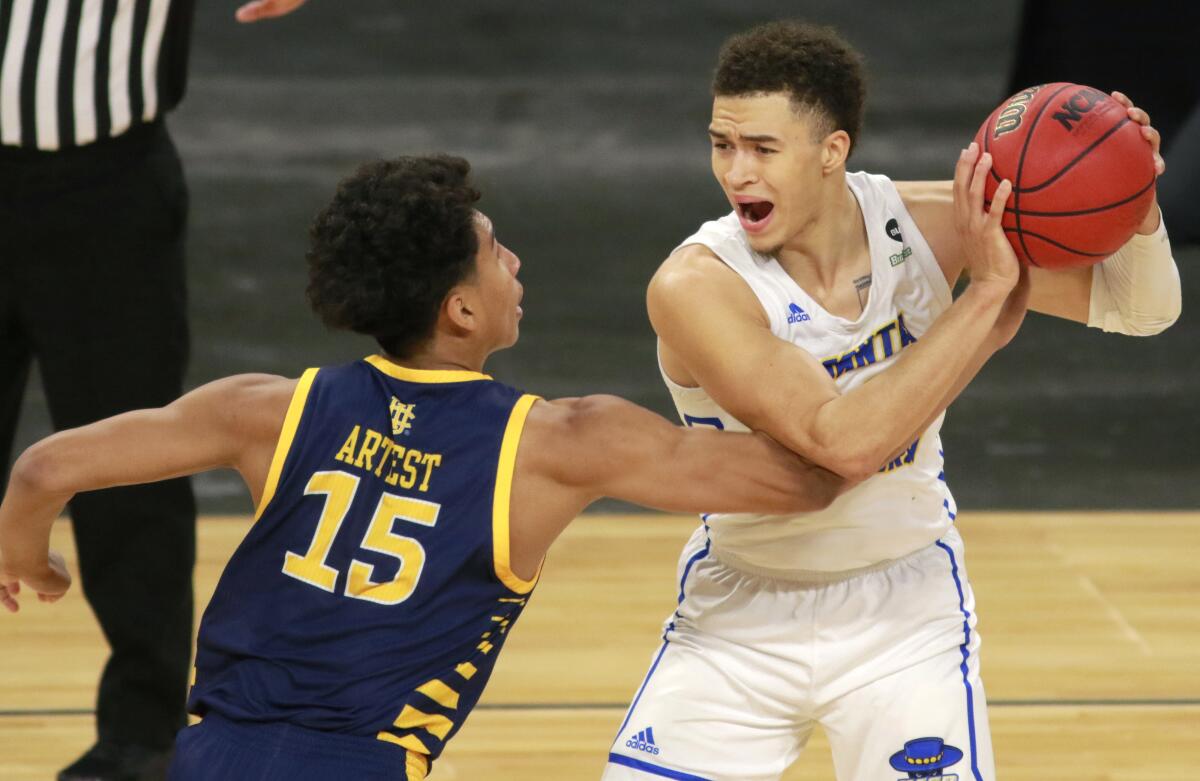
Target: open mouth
<point>754,212</point>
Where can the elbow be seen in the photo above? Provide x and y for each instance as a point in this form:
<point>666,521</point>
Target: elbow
<point>850,458</point>
<point>38,470</point>
<point>848,467</point>
<point>1156,323</point>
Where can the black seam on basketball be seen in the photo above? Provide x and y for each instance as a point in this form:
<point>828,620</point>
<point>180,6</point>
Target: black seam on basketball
<point>1021,167</point>
<point>1082,155</point>
<point>1122,202</point>
<point>1049,240</point>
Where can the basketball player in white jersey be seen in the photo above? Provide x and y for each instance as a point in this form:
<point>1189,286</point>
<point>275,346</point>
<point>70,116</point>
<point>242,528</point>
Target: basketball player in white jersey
<point>828,323</point>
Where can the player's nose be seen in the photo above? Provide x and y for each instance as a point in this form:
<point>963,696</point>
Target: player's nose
<point>742,171</point>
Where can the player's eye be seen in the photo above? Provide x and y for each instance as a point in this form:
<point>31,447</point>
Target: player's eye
<point>763,150</point>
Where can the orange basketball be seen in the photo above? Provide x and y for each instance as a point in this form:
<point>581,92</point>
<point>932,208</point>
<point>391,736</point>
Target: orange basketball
<point>1082,175</point>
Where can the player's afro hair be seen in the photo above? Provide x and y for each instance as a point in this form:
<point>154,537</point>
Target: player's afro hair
<point>819,70</point>
<point>398,235</point>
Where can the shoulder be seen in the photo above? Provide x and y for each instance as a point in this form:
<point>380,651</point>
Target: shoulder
<point>562,433</point>
<point>931,206</point>
<point>926,198</point>
<point>250,403</point>
<point>558,417</point>
<point>694,275</point>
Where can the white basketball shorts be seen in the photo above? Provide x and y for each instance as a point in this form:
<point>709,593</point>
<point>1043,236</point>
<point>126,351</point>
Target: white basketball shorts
<point>886,661</point>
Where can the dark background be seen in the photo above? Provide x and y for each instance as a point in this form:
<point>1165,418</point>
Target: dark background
<point>586,126</point>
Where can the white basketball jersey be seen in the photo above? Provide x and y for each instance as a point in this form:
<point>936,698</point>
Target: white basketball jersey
<point>907,505</point>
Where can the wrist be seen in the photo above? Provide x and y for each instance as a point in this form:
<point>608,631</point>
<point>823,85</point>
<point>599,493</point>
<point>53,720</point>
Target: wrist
<point>990,291</point>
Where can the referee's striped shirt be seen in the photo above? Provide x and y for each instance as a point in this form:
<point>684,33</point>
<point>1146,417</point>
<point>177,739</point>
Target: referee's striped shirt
<point>76,71</point>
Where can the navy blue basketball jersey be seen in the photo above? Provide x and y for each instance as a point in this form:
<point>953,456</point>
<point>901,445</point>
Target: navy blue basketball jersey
<point>373,593</point>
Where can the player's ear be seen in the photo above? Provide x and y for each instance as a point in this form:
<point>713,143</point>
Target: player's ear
<point>461,308</point>
<point>835,148</point>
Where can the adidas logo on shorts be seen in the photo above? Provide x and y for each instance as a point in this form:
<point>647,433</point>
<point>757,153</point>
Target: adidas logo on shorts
<point>643,741</point>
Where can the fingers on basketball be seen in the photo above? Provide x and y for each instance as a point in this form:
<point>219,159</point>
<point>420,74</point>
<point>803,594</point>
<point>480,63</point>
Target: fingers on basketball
<point>999,202</point>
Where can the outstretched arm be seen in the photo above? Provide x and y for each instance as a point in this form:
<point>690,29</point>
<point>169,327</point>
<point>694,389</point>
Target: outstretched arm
<point>574,451</point>
<point>599,446</point>
<point>232,422</point>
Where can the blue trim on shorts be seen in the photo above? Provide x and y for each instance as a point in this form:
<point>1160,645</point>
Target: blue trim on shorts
<point>965,655</point>
<point>695,557</point>
<point>654,666</point>
<point>654,770</point>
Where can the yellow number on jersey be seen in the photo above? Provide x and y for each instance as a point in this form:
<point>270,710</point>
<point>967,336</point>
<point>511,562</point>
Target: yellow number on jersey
<point>339,489</point>
<point>381,539</point>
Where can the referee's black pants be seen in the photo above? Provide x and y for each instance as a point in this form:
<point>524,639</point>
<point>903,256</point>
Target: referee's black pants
<point>92,286</point>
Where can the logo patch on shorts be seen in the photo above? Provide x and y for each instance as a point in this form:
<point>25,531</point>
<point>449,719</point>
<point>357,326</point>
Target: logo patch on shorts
<point>893,230</point>
<point>643,741</point>
<point>926,758</point>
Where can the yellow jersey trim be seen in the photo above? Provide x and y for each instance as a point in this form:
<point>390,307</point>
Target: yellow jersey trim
<point>416,766</point>
<point>395,370</point>
<point>502,498</point>
<point>291,422</point>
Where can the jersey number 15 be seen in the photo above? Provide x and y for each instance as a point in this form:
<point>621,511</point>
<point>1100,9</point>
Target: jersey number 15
<point>339,489</point>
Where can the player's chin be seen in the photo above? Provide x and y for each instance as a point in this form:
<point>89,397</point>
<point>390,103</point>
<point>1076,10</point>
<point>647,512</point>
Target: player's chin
<point>765,243</point>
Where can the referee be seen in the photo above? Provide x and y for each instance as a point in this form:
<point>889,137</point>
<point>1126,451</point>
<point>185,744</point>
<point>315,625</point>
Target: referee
<point>93,208</point>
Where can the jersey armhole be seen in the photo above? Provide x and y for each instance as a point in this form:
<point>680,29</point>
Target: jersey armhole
<point>291,422</point>
<point>502,498</point>
<point>926,261</point>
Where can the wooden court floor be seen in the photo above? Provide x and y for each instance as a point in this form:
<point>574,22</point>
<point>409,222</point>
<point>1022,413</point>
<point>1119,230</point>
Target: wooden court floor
<point>1090,626</point>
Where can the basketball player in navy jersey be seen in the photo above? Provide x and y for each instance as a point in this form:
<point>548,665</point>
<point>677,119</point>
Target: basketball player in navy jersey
<point>404,502</point>
<point>829,324</point>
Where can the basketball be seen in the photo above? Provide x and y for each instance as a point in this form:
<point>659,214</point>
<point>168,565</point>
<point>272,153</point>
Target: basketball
<point>1082,175</point>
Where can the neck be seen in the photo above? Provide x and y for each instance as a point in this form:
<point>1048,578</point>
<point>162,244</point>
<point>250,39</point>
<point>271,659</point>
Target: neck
<point>832,237</point>
<point>445,353</point>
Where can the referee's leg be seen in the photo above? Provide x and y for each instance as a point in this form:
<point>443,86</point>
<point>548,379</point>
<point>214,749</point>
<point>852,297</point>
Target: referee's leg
<point>116,339</point>
<point>14,372</point>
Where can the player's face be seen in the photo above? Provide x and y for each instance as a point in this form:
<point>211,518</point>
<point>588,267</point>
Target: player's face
<point>496,268</point>
<point>767,158</point>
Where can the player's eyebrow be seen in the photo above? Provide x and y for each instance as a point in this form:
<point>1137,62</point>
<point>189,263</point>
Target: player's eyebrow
<point>760,138</point>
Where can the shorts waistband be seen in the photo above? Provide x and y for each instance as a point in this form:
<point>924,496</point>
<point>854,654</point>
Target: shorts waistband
<point>807,577</point>
<point>319,744</point>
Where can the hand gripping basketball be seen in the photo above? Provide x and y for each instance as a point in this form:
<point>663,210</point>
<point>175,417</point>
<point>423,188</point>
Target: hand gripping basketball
<point>990,258</point>
<point>1083,166</point>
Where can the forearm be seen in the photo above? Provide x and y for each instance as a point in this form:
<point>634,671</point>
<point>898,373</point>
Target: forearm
<point>867,424</point>
<point>26,516</point>
<point>1137,290</point>
<point>978,359</point>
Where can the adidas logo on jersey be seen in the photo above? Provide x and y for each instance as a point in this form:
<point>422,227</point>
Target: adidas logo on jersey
<point>643,741</point>
<point>796,314</point>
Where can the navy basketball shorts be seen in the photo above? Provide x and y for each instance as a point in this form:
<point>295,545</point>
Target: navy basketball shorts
<point>218,749</point>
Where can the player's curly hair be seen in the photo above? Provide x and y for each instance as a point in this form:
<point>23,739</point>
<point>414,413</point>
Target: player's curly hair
<point>821,72</point>
<point>398,235</point>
